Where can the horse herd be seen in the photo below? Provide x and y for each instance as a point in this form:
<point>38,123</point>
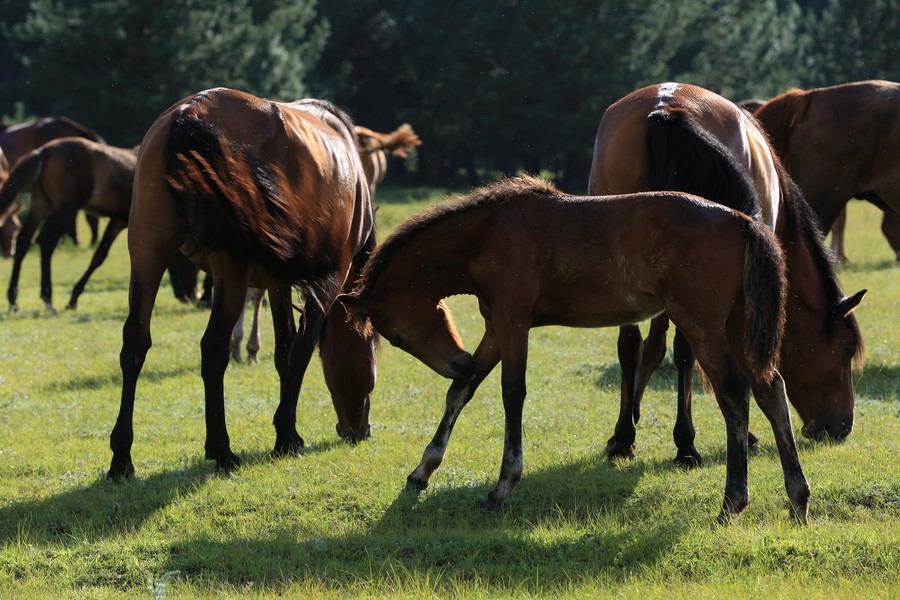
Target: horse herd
<point>684,184</point>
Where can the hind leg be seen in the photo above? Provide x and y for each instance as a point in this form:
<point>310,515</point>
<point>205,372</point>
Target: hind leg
<point>230,285</point>
<point>113,229</point>
<point>772,399</point>
<point>630,346</point>
<point>51,232</point>
<point>256,296</point>
<point>23,244</point>
<point>684,432</point>
<point>292,355</point>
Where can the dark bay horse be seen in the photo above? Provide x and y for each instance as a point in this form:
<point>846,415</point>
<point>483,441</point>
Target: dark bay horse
<point>839,143</point>
<point>64,176</point>
<point>260,193</point>
<point>20,139</point>
<point>681,137</point>
<point>534,256</point>
<point>10,225</point>
<point>374,148</point>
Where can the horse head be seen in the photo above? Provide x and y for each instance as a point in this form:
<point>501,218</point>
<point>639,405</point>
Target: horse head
<point>415,323</point>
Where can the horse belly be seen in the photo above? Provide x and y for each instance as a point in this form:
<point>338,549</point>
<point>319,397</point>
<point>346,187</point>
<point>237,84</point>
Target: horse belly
<point>606,305</point>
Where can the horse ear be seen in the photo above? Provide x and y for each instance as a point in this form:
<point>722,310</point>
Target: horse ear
<point>848,304</point>
<point>354,305</point>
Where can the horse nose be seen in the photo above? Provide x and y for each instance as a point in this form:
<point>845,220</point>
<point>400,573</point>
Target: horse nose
<point>839,428</point>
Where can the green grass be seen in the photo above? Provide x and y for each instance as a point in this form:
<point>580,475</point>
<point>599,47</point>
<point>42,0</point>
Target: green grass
<point>337,522</point>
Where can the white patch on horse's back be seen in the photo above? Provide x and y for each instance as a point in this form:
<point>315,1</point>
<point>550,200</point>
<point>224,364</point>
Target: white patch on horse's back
<point>665,94</point>
<point>770,201</point>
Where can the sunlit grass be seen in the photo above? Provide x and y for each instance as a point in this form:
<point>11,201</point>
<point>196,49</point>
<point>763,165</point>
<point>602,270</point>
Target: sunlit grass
<point>337,521</point>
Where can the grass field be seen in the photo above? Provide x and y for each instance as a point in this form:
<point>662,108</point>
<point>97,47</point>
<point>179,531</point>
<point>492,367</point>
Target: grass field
<point>337,522</point>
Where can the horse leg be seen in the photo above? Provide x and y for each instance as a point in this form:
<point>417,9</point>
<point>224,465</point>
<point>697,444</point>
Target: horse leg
<point>837,236</point>
<point>228,299</point>
<point>630,348</point>
<point>772,399</point>
<point>653,352</point>
<point>237,334</point>
<point>292,359</point>
<point>23,243</point>
<point>147,269</point>
<point>51,232</point>
<point>486,357</point>
<point>256,296</point>
<point>684,433</point>
<point>113,229</point>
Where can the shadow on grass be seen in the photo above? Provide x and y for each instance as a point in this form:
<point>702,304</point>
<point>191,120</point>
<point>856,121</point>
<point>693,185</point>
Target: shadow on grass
<point>114,379</point>
<point>441,538</point>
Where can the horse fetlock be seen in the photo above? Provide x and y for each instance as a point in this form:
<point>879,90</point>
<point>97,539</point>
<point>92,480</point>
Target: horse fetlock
<point>291,445</point>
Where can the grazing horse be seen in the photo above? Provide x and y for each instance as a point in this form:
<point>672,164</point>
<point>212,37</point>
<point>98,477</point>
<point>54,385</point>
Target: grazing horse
<point>10,225</point>
<point>534,256</point>
<point>681,137</point>
<point>373,150</point>
<point>64,176</point>
<point>258,193</point>
<point>20,139</point>
<point>839,143</point>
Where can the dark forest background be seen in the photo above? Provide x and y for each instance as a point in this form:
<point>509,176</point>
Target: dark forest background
<point>491,87</point>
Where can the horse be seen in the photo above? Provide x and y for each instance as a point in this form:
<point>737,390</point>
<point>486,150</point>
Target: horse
<point>675,136</point>
<point>534,256</point>
<point>838,143</point>
<point>20,139</point>
<point>374,148</point>
<point>64,176</point>
<point>9,226</point>
<point>257,193</point>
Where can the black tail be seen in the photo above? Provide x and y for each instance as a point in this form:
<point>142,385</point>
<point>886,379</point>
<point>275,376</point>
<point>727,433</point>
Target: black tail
<point>684,157</point>
<point>765,297</point>
<point>25,173</point>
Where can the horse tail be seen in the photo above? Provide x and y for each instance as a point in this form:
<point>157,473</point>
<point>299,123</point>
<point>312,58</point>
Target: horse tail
<point>398,142</point>
<point>684,157</point>
<point>765,297</point>
<point>780,115</point>
<point>24,174</point>
<point>231,200</point>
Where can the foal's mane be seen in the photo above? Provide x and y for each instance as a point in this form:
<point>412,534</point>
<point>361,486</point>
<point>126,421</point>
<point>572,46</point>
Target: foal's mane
<point>489,195</point>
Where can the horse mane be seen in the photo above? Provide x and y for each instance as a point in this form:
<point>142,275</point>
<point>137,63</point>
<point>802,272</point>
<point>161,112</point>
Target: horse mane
<point>780,115</point>
<point>801,218</point>
<point>682,156</point>
<point>491,194</point>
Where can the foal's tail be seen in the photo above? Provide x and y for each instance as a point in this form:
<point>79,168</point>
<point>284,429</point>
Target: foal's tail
<point>25,173</point>
<point>683,157</point>
<point>765,295</point>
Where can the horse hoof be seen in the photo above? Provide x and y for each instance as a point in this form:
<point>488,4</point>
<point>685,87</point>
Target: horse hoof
<point>120,470</point>
<point>489,504</point>
<point>291,448</point>
<point>752,441</point>
<point>615,450</point>
<point>228,463</point>
<point>689,459</point>
<point>415,484</point>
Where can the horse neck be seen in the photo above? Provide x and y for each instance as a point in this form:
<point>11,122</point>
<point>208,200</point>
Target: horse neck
<point>437,258</point>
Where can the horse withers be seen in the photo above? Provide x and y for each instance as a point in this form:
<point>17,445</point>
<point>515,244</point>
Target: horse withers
<point>534,256</point>
<point>258,193</point>
<point>676,136</point>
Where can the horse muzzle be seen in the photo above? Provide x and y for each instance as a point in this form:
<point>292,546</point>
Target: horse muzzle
<point>460,366</point>
<point>830,428</point>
